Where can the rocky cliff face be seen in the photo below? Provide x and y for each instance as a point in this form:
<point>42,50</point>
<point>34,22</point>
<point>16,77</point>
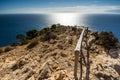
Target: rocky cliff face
<point>54,60</point>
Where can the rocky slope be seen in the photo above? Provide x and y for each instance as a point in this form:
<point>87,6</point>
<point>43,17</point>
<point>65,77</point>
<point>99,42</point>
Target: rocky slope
<point>54,60</point>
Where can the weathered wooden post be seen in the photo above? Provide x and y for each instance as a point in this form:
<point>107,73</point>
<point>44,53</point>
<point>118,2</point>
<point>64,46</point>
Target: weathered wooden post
<point>77,53</point>
<point>88,56</point>
<point>76,65</point>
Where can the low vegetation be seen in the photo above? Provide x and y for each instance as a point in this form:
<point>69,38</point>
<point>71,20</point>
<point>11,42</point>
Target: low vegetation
<point>23,39</point>
<point>106,39</point>
<point>1,50</point>
<point>32,44</point>
<point>20,36</point>
<point>32,34</point>
<point>29,35</point>
<point>15,44</point>
<point>48,36</point>
<point>8,49</point>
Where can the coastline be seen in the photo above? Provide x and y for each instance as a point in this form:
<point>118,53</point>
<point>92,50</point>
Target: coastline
<point>50,55</point>
<point>19,24</point>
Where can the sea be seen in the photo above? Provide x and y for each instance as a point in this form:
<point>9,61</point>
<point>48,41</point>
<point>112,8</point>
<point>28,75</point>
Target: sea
<point>13,24</point>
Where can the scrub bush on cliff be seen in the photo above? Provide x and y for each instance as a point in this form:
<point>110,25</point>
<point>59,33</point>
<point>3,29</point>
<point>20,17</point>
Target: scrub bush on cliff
<point>22,39</point>
<point>32,34</point>
<point>106,39</point>
<point>32,44</point>
<point>47,36</point>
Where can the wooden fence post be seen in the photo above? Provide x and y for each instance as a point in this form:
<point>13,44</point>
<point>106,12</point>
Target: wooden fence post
<point>76,65</point>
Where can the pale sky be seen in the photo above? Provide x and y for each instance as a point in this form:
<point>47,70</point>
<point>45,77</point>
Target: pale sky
<point>60,6</point>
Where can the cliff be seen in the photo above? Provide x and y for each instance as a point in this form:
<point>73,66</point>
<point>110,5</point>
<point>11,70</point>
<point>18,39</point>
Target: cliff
<point>53,58</point>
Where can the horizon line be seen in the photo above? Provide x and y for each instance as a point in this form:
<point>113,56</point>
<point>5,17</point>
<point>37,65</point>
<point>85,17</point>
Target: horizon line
<point>90,9</point>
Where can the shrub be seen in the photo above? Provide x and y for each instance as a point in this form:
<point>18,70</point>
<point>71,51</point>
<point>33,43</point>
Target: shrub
<point>106,39</point>
<point>24,41</point>
<point>48,36</point>
<point>32,34</point>
<point>1,50</point>
<point>32,44</point>
<point>44,30</point>
<point>62,29</point>
<point>54,28</point>
<point>20,36</point>
<point>118,45</point>
<point>74,29</point>
<point>15,44</point>
<point>8,49</point>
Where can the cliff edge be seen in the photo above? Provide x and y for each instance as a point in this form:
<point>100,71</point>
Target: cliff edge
<point>50,56</point>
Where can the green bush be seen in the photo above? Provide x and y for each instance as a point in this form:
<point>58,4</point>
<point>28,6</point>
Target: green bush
<point>32,34</point>
<point>32,44</point>
<point>106,39</point>
<point>22,38</point>
<point>8,49</point>
<point>57,29</point>
<point>48,36</point>
<point>54,28</point>
<point>44,30</point>
<point>62,29</point>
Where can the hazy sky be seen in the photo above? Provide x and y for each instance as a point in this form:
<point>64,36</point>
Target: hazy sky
<point>59,6</point>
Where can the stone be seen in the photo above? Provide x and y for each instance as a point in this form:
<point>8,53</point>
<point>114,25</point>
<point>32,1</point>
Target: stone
<point>117,68</point>
<point>61,75</point>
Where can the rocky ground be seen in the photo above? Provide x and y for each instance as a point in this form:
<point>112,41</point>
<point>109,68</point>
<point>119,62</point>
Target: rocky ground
<point>54,60</point>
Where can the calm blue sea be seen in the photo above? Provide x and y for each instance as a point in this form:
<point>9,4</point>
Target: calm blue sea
<point>13,24</point>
